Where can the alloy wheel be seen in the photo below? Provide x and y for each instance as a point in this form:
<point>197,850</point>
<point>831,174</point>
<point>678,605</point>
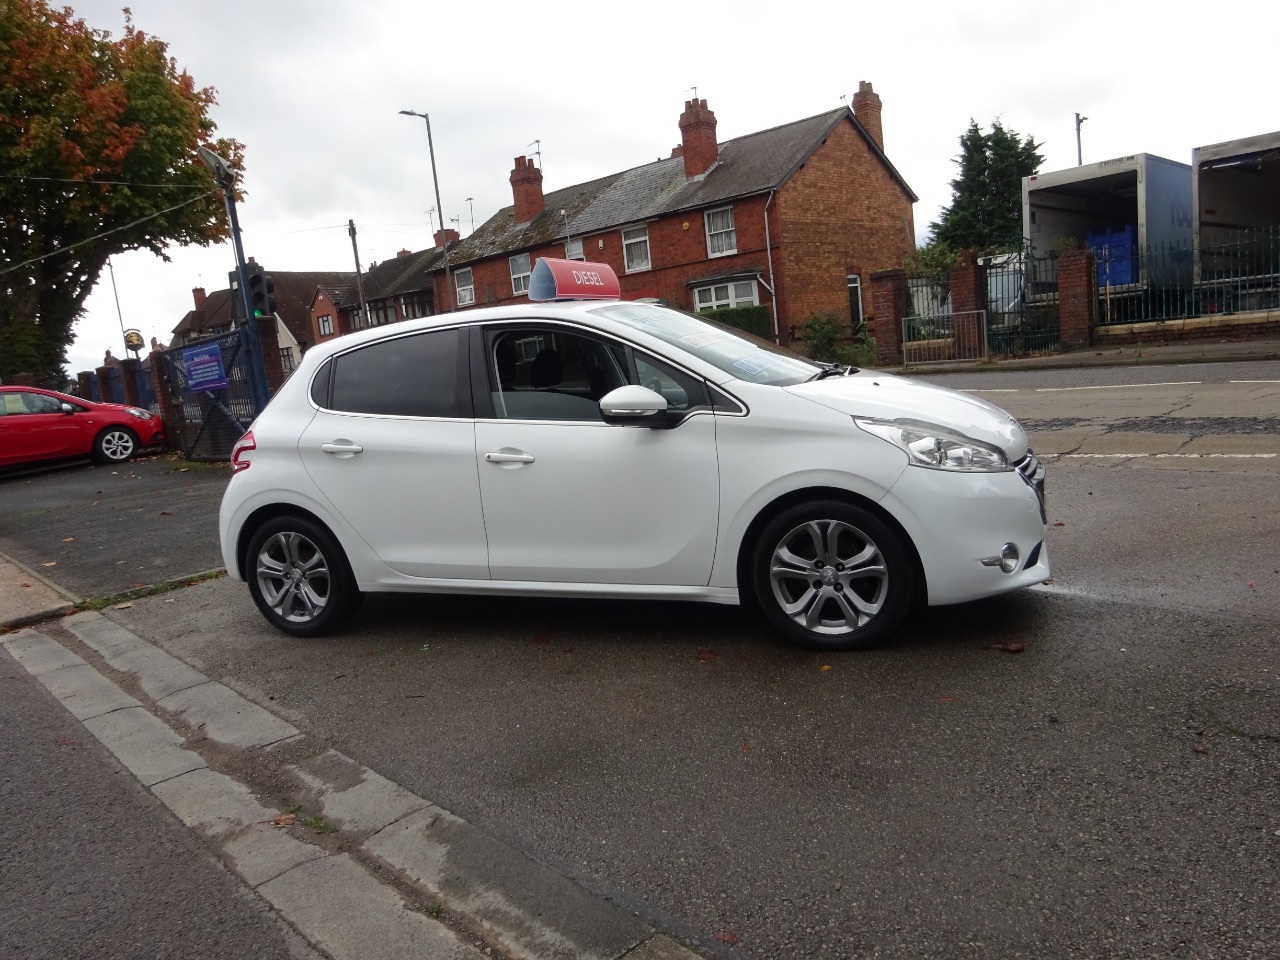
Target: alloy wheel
<point>829,577</point>
<point>293,577</point>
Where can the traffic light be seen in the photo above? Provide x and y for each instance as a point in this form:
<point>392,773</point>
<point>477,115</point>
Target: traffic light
<point>262,291</point>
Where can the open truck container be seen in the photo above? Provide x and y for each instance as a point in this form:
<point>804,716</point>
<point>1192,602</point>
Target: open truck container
<point>1235,191</point>
<point>1123,209</point>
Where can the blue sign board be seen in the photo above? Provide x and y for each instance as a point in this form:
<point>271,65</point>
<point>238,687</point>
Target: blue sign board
<point>204,368</point>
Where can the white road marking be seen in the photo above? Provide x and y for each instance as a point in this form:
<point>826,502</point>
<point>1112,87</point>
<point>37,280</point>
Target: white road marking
<point>1187,456</point>
<point>1253,381</point>
<point>1120,386</point>
<point>989,391</point>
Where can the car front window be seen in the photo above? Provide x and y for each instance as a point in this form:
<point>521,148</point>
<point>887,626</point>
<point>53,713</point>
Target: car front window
<point>736,353</point>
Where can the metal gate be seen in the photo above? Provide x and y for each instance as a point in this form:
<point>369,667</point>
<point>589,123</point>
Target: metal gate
<point>211,386</point>
<point>945,336</point>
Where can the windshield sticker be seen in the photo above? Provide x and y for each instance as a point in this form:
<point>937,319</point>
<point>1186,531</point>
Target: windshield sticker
<point>706,339</point>
<point>759,362</point>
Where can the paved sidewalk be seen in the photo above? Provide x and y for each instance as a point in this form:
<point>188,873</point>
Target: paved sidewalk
<point>27,597</point>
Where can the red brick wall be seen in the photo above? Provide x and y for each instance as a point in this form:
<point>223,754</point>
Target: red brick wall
<point>889,302</point>
<point>322,306</point>
<point>842,213</point>
<point>1077,298</point>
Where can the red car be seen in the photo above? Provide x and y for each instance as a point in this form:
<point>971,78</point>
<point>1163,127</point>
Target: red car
<point>38,425</point>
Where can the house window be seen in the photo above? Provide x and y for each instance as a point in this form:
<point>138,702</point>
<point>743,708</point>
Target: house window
<point>465,286</point>
<point>635,248</point>
<point>326,325</point>
<point>573,250</point>
<point>722,238</point>
<point>417,305</point>
<point>519,273</point>
<point>287,363</point>
<point>384,311</point>
<point>738,293</point>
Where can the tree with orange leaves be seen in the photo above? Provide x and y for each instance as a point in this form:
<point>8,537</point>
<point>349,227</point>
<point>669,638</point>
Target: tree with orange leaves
<point>98,140</point>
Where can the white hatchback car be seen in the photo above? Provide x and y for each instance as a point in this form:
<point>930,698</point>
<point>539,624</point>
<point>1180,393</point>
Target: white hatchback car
<point>605,448</point>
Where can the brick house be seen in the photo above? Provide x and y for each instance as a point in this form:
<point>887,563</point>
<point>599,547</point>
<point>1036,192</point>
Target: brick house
<point>794,218</point>
<point>397,289</point>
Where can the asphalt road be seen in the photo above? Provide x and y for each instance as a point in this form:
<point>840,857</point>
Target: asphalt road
<point>98,531</point>
<point>1108,792</point>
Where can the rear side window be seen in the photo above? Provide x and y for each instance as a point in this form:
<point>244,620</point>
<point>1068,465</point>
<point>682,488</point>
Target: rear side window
<point>414,376</point>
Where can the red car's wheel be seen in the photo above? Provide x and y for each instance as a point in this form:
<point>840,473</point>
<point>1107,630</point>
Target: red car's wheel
<point>115,445</point>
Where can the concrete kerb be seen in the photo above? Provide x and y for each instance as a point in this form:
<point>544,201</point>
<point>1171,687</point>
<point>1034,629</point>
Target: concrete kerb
<point>41,599</point>
<point>404,854</point>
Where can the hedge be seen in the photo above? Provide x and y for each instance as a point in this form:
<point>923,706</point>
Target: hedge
<point>757,320</point>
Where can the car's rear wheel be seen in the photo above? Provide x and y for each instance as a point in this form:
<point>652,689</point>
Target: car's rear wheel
<point>832,576</point>
<point>115,445</point>
<point>299,577</point>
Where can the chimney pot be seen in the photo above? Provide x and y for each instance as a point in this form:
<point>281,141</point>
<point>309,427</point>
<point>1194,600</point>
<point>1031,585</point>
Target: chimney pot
<point>404,253</point>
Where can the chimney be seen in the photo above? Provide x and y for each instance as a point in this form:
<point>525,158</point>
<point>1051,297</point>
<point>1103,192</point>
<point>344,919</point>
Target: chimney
<point>698,138</point>
<point>197,294</point>
<point>448,235</point>
<point>526,186</point>
<point>866,107</point>
<point>404,253</point>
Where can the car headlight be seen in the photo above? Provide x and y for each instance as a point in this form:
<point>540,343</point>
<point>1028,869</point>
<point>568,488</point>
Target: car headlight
<point>935,447</point>
<point>138,412</point>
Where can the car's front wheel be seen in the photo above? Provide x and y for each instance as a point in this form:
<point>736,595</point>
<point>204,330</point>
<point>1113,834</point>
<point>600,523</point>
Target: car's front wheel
<point>299,578</point>
<point>115,445</point>
<point>832,576</point>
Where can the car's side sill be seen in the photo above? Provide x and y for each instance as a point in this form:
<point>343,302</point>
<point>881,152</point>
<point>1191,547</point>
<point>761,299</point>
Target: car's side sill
<point>543,588</point>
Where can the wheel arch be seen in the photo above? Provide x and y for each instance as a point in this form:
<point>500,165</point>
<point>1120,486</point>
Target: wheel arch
<point>272,511</point>
<point>805,495</point>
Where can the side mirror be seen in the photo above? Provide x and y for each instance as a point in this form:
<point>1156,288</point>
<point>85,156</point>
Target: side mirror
<point>633,404</point>
<point>67,408</point>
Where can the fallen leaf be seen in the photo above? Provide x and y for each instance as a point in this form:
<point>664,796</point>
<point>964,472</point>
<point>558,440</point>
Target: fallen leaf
<point>1011,647</point>
<point>67,539</point>
<point>51,563</point>
<point>123,606</point>
<point>165,513</point>
<point>825,668</point>
<point>1202,750</point>
<point>73,610</point>
<point>946,698</point>
<point>706,655</point>
<point>1059,523</point>
<point>727,936</point>
<point>26,584</point>
<point>285,820</point>
<point>1251,583</point>
<point>746,748</point>
<point>183,469</point>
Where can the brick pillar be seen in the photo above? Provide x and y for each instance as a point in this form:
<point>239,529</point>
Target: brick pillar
<point>129,378</point>
<point>269,340</point>
<point>968,296</point>
<point>85,379</point>
<point>103,376</point>
<point>165,400</point>
<point>1077,298</point>
<point>889,307</point>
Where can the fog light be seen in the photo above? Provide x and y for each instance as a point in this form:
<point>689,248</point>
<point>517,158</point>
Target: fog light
<point>1009,557</point>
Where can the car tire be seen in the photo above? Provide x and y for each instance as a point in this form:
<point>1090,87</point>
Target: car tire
<point>829,575</point>
<point>299,577</point>
<point>115,445</point>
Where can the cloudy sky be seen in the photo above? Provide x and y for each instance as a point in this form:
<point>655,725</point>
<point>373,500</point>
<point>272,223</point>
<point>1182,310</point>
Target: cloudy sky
<point>313,88</point>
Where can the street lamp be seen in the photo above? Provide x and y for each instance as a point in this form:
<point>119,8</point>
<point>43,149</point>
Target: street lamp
<point>448,276</point>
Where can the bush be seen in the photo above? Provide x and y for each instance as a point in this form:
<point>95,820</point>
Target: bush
<point>757,320</point>
<point>823,338</point>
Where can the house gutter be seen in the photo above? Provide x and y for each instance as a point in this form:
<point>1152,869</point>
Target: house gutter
<point>768,249</point>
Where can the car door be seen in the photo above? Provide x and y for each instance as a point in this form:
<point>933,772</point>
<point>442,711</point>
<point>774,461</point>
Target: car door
<point>392,447</point>
<point>569,498</point>
<point>36,428</point>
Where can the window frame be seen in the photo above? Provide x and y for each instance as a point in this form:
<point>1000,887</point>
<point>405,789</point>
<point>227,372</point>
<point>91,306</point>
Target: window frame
<point>323,322</point>
<point>733,229</point>
<point>470,288</point>
<point>732,298</point>
<point>627,244</point>
<point>569,249</point>
<point>518,288</point>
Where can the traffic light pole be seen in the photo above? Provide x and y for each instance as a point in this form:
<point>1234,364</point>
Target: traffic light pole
<point>251,344</point>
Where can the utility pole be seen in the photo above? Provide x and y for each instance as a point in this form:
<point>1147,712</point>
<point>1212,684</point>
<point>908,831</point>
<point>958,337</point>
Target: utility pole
<point>1079,154</point>
<point>355,252</point>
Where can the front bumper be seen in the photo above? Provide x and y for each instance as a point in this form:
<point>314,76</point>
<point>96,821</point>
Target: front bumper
<point>958,520</point>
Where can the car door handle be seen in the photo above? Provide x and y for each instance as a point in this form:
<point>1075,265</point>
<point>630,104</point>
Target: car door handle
<point>507,456</point>
<point>342,446</point>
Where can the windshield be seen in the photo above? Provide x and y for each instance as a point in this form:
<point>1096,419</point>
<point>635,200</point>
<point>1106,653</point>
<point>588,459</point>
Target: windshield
<point>734,351</point>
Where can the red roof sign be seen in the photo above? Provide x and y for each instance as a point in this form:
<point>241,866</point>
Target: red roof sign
<point>572,280</point>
